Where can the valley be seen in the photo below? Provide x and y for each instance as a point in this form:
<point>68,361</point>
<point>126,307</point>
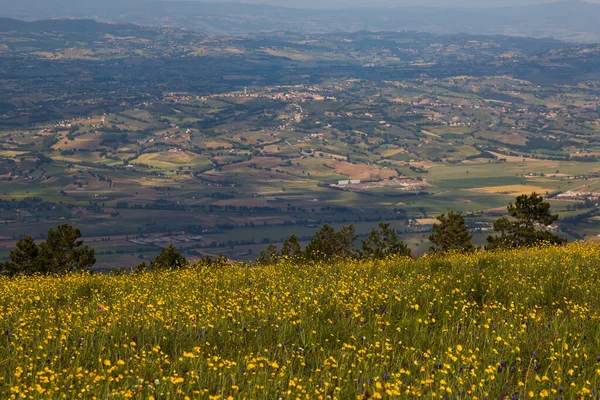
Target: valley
<point>145,137</point>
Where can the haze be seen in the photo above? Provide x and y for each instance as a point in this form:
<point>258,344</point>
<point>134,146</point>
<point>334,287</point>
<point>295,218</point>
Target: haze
<point>392,3</point>
<point>314,4</point>
<point>570,20</point>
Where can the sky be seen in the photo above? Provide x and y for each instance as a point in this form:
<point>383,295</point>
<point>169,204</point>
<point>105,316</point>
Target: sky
<point>393,3</point>
<point>315,4</point>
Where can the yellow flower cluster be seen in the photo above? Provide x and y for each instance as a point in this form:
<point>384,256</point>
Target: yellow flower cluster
<point>515,324</point>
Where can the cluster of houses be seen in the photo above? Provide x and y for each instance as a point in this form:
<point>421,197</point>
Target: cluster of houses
<point>578,196</point>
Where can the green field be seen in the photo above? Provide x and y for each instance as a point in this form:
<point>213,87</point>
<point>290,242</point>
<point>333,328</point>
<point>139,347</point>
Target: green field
<point>520,323</point>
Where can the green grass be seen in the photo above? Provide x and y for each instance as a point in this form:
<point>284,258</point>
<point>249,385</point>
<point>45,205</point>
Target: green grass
<point>522,323</point>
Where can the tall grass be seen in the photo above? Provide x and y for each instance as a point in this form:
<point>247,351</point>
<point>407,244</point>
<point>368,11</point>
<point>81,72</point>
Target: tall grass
<point>513,324</point>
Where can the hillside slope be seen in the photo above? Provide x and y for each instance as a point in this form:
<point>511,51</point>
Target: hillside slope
<point>521,323</point>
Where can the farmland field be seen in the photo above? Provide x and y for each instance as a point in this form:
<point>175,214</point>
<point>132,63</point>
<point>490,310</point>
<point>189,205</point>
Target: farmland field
<point>245,140</point>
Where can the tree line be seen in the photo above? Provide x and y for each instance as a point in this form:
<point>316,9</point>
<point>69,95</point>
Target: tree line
<point>529,216</point>
<point>62,251</point>
<point>526,226</point>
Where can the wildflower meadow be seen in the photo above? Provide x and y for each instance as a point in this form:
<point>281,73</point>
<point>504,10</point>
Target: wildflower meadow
<point>511,324</point>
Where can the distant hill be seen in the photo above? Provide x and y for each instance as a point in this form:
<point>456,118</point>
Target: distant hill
<point>66,26</point>
<point>568,20</point>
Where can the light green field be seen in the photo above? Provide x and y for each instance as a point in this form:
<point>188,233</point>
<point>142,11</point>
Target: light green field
<point>167,160</point>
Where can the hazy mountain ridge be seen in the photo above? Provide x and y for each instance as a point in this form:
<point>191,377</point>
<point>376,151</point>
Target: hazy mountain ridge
<point>67,26</point>
<point>567,20</point>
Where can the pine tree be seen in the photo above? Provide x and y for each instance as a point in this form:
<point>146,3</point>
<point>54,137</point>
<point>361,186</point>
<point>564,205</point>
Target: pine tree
<point>328,243</point>
<point>384,242</point>
<point>528,213</point>
<point>63,251</point>
<point>143,267</point>
<point>169,258</point>
<point>291,247</point>
<point>269,256</point>
<point>5,268</point>
<point>25,257</point>
<point>451,234</point>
